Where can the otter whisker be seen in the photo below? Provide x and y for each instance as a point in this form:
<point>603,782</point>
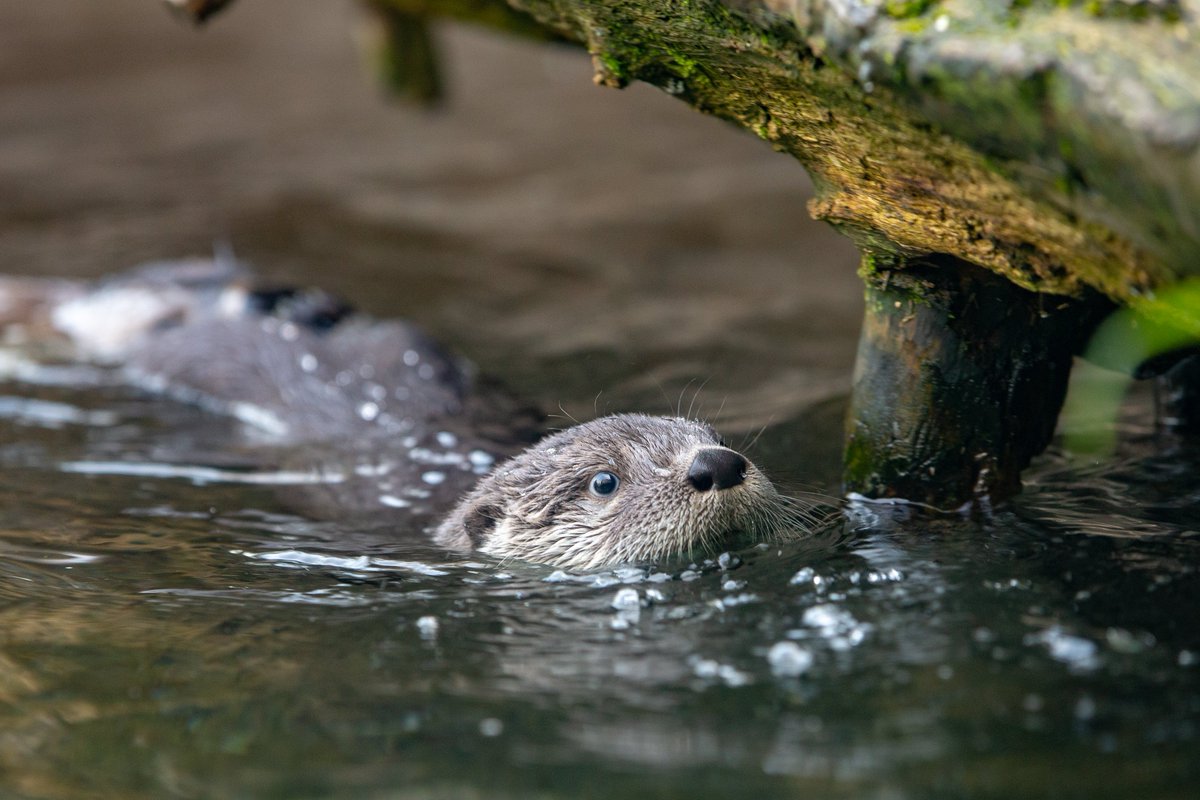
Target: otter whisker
<point>720,409</point>
<point>750,444</point>
<point>682,391</point>
<point>566,414</point>
<point>695,396</point>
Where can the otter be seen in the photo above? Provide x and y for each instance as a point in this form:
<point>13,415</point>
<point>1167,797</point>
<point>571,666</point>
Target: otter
<point>302,367</point>
<point>624,488</point>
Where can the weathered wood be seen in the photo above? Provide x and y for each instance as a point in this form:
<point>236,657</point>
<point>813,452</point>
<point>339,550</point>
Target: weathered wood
<point>959,380</point>
<point>1007,137</point>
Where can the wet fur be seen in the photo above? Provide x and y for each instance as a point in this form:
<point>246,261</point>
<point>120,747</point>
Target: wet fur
<point>538,507</point>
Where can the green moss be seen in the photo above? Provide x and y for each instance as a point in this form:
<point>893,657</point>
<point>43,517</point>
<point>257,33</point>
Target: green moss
<point>613,66</point>
<point>1137,10</point>
<point>904,9</point>
<point>1166,10</point>
<point>913,25</point>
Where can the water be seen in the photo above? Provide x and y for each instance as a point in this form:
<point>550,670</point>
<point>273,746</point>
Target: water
<point>164,638</point>
<point>177,628</point>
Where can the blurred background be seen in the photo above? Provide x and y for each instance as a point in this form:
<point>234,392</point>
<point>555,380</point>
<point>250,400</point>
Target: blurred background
<point>597,249</point>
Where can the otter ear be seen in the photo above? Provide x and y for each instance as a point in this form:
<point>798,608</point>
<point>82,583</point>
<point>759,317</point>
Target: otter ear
<point>478,521</point>
<point>469,524</point>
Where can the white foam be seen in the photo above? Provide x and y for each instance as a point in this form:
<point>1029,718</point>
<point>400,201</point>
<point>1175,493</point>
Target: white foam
<point>52,414</point>
<point>199,474</point>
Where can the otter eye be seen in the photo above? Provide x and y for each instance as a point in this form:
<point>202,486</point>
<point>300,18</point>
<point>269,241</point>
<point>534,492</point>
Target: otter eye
<point>604,483</point>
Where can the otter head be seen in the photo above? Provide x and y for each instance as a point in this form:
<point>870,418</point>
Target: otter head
<point>618,489</point>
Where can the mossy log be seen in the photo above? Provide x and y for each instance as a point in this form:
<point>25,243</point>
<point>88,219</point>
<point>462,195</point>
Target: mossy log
<point>1053,144</point>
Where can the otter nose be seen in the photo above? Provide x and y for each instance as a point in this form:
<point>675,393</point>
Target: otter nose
<point>716,466</point>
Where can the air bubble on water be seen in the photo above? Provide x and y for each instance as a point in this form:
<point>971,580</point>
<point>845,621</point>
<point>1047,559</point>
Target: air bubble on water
<point>368,411</point>
<point>708,669</point>
<point>629,574</point>
<point>308,362</point>
<point>433,477</point>
<point>625,599</point>
<point>788,659</point>
<point>805,575</point>
<point>628,605</point>
<point>1074,651</point>
<point>885,576</point>
<point>732,601</point>
<point>836,625</point>
<point>423,455</point>
<point>391,501</point>
<point>1085,708</point>
<point>983,635</point>
<point>447,439</point>
<point>428,627</point>
<point>596,580</point>
<point>1128,642</point>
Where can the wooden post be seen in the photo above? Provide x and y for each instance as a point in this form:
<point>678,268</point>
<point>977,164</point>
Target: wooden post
<point>959,380</point>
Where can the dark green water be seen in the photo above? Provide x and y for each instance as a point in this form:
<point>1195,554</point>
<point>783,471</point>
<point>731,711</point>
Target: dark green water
<point>163,638</point>
<point>603,251</point>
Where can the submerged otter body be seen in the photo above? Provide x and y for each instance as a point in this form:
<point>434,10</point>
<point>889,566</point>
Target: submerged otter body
<point>300,368</point>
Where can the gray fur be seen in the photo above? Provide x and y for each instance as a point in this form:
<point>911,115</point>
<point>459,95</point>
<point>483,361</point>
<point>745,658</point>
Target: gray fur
<point>538,507</point>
